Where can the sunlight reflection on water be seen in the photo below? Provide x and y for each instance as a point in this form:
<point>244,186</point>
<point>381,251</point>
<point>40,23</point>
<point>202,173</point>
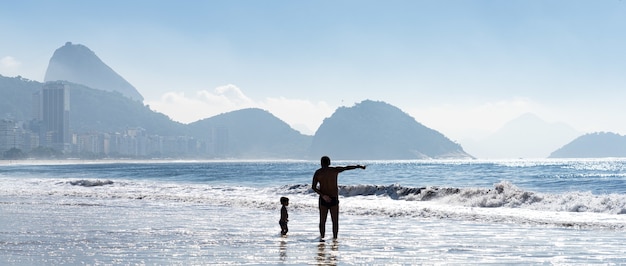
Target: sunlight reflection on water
<point>133,232</point>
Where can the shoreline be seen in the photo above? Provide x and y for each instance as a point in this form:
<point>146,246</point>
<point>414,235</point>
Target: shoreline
<point>130,161</point>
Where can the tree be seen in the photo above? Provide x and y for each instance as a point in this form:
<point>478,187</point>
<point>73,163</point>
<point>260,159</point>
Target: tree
<point>45,153</point>
<point>14,154</point>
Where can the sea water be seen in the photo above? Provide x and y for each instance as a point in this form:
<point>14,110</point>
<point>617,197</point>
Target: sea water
<point>394,212</point>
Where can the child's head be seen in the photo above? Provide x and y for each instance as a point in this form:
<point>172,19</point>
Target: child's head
<point>284,200</point>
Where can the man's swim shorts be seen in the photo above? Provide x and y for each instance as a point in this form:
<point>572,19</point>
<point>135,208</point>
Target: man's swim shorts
<point>334,201</point>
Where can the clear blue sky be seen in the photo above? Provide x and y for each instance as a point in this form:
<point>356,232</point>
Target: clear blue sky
<point>463,68</point>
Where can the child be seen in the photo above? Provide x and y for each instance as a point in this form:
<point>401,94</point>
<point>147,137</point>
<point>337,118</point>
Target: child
<point>284,216</point>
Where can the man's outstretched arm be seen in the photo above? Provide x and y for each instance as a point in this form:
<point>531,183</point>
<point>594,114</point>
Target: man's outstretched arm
<point>350,167</point>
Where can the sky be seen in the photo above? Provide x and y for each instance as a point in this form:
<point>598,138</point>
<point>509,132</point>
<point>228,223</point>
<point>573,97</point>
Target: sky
<point>462,67</point>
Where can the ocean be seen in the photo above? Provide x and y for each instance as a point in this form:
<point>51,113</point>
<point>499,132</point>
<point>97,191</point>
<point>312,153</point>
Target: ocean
<point>423,212</point>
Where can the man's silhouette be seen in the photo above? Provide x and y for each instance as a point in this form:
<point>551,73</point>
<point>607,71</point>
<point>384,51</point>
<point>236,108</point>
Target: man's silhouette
<point>328,190</point>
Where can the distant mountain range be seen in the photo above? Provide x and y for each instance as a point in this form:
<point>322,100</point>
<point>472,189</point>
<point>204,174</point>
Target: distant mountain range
<point>102,101</point>
<point>385,132</point>
<point>526,136</point>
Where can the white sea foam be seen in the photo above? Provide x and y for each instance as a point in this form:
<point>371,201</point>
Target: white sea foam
<point>90,183</point>
<point>140,232</point>
<point>502,203</point>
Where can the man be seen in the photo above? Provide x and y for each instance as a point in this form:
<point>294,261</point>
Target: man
<point>328,192</point>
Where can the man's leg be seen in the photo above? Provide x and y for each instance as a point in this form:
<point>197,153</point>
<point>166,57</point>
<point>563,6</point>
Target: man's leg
<point>334,215</point>
<point>323,215</point>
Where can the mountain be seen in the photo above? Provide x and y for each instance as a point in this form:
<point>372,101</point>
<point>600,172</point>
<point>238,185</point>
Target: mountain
<point>252,134</point>
<point>77,64</point>
<point>377,130</point>
<point>594,145</point>
<point>526,136</point>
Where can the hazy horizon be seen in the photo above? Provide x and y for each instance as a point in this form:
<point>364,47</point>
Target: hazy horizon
<point>463,68</point>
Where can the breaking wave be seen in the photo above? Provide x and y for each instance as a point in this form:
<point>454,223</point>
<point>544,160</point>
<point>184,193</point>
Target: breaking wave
<point>90,183</point>
<point>503,194</point>
<point>502,203</point>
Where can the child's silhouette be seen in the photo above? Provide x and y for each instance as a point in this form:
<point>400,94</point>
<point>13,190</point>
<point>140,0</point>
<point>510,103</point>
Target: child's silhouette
<point>284,217</point>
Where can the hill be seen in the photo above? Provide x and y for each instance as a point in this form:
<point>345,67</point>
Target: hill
<point>526,136</point>
<point>77,64</point>
<point>90,109</point>
<point>16,97</point>
<point>594,145</point>
<point>377,130</point>
<point>103,111</point>
<point>252,134</point>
